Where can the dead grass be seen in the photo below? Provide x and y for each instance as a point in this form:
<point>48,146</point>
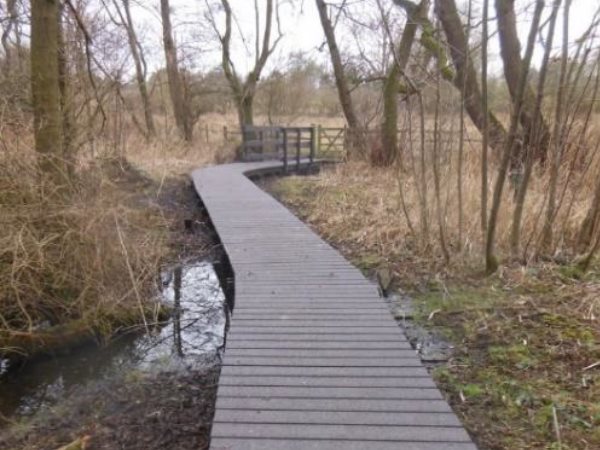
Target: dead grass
<point>87,266</point>
<point>89,260</point>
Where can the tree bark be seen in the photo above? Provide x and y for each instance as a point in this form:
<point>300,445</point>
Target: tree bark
<point>68,122</point>
<point>536,131</point>
<point>355,133</point>
<point>246,109</point>
<point>46,96</point>
<point>181,108</point>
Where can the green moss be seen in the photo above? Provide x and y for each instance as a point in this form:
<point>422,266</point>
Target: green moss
<point>517,356</point>
<point>472,390</point>
<point>434,46</point>
<point>569,329</point>
<point>438,298</point>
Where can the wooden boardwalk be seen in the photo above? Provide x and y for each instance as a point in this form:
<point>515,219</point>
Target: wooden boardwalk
<point>313,359</point>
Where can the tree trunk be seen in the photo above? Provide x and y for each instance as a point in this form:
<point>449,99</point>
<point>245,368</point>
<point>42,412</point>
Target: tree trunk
<point>140,68</point>
<point>389,125</point>
<point>590,223</point>
<point>246,110</point>
<point>355,135</point>
<point>510,50</point>
<point>485,126</point>
<point>389,131</point>
<point>466,76</point>
<point>68,123</point>
<point>45,88</point>
<point>176,89</point>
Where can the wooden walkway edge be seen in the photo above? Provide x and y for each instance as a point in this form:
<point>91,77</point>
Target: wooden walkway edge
<point>313,360</point>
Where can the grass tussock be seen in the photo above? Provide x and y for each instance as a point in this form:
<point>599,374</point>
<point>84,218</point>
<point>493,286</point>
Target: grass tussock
<point>80,265</point>
<point>380,210</point>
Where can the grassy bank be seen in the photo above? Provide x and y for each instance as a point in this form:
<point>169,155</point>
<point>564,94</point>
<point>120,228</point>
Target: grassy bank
<point>525,372</point>
<point>85,266</point>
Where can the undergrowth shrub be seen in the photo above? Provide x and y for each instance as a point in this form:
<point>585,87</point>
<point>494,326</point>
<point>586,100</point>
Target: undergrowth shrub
<point>90,260</point>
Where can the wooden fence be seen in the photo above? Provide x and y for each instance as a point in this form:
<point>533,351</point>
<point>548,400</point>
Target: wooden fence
<point>328,142</point>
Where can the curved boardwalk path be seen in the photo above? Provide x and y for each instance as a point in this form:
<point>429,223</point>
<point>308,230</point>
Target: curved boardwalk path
<point>314,359</point>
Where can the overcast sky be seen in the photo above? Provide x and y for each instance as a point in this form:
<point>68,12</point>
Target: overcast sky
<point>302,28</point>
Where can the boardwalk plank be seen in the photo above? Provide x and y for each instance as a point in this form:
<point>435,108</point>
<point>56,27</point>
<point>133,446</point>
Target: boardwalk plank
<point>319,372</point>
<point>330,392</point>
<point>319,444</point>
<point>271,380</point>
<point>337,417</point>
<point>233,344</point>
<point>333,404</point>
<point>322,353</point>
<point>340,432</point>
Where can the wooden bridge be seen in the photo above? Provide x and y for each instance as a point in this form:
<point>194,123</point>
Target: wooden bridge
<point>314,360</point>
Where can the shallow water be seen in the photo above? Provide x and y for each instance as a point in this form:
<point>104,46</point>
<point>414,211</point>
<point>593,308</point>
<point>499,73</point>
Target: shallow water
<point>192,339</point>
<point>431,346</point>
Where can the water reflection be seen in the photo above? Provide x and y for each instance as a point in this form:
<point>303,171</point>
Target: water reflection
<point>192,338</point>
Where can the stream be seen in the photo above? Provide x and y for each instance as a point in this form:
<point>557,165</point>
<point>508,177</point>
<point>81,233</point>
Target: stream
<point>191,341</point>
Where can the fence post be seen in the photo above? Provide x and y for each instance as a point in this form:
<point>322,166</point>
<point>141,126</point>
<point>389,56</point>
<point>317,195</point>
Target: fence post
<point>319,131</point>
<point>345,144</point>
<point>225,137</point>
<point>313,144</point>
<point>285,151</point>
<point>298,136</point>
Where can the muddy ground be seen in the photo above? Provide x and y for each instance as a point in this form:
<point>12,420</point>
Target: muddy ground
<point>136,410</point>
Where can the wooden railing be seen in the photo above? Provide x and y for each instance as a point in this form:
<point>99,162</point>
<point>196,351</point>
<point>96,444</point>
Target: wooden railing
<point>289,144</point>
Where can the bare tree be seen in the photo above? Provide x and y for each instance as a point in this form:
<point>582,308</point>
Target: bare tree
<point>491,262</point>
<point>179,99</point>
<point>11,24</point>
<point>244,91</point>
<point>558,137</point>
<point>530,155</point>
<point>139,61</point>
<point>356,134</point>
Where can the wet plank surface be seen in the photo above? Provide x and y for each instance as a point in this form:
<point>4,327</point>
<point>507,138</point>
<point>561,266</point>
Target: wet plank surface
<point>314,360</point>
